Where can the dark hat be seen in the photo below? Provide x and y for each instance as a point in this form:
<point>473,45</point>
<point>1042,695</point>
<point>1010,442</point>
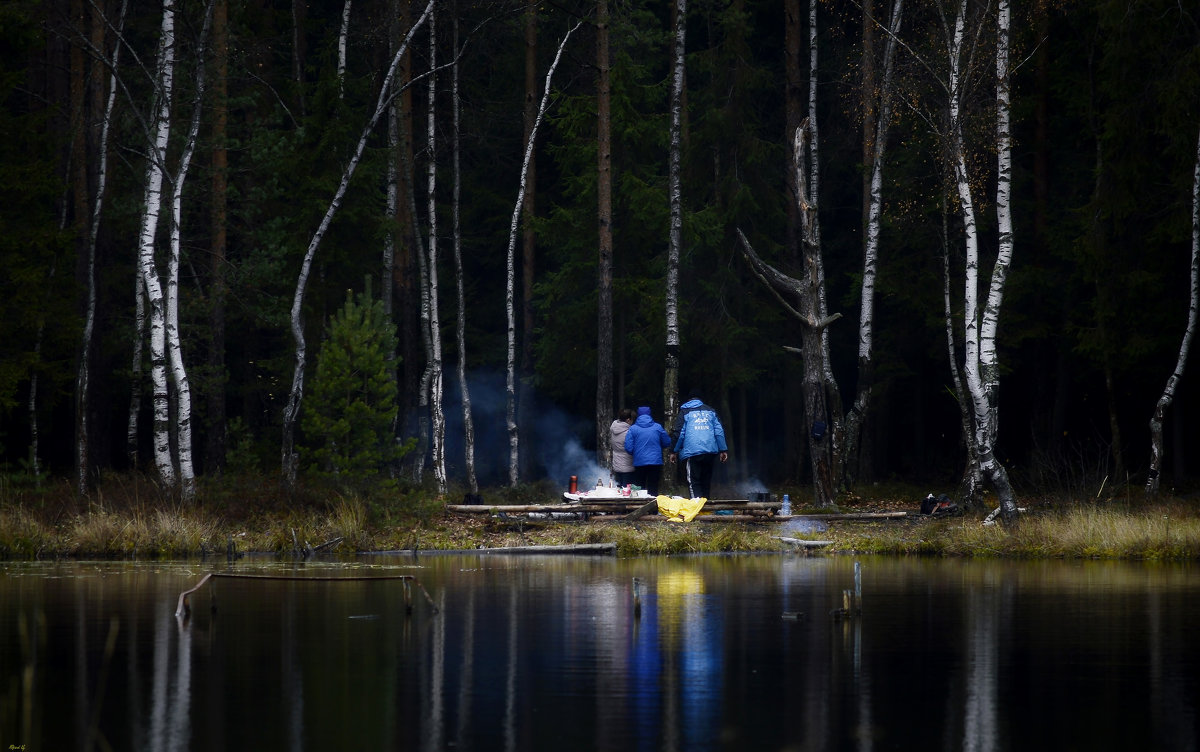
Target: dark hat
<point>643,410</point>
<point>694,393</point>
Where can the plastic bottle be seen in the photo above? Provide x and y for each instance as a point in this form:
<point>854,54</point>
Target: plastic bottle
<point>787,505</point>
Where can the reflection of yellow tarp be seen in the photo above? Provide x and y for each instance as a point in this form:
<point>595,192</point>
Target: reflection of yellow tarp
<point>677,593</point>
<point>677,509</point>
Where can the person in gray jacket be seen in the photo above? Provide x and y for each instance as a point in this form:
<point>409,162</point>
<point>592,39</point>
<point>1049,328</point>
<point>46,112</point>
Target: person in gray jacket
<point>622,461</point>
<point>699,443</point>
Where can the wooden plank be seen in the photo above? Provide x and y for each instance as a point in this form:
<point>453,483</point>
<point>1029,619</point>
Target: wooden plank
<point>578,548</point>
<point>611,507</point>
<point>645,509</point>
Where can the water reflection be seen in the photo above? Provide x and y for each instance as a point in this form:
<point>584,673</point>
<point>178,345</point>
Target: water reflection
<point>738,652</point>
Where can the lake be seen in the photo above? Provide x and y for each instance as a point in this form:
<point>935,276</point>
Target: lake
<point>534,652</point>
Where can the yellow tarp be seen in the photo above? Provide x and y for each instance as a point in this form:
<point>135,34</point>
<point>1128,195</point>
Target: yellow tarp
<point>677,509</point>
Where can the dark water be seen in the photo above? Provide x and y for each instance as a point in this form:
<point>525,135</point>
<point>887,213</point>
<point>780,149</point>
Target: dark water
<point>548,653</point>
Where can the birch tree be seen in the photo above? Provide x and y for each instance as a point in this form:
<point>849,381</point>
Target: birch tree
<point>166,353</point>
<point>291,412</point>
<point>437,414</point>
<point>675,232</point>
<point>514,454</point>
<point>152,207</point>
<point>980,365</point>
<point>83,378</point>
<point>1168,394</point>
<point>875,129</point>
<point>461,321</point>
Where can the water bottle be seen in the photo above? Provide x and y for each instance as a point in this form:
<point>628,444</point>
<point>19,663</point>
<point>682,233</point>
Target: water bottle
<point>787,505</point>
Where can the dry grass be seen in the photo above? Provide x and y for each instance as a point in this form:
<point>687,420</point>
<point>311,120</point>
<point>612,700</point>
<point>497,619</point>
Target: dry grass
<point>128,517</point>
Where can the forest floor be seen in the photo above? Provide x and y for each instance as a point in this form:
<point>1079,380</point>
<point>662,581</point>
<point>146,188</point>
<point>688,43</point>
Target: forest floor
<point>127,517</point>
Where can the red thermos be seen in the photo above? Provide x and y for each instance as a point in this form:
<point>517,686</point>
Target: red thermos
<point>574,484</point>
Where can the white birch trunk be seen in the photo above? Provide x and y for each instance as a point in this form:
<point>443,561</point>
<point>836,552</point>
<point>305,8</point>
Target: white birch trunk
<point>1153,477</point>
<point>179,377</point>
<point>511,379</point>
<point>438,416</point>
<point>164,88</point>
<point>675,239</point>
<point>83,381</point>
<point>989,364</point>
<point>972,480</point>
<point>291,412</point>
<point>976,334</point>
<point>461,322</point>
<point>342,35</point>
<point>866,319</point>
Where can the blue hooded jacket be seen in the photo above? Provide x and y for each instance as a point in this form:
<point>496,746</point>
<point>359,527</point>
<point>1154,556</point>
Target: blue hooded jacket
<point>700,431</point>
<point>646,439</point>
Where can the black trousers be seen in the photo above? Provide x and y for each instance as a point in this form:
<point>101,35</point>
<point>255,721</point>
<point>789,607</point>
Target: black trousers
<point>647,476</point>
<point>699,471</point>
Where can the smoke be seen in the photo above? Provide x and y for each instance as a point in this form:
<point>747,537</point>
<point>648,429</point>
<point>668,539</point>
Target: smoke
<point>556,446</point>
<point>751,485</point>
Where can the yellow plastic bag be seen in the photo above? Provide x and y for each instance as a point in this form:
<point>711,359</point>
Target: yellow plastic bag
<point>678,509</point>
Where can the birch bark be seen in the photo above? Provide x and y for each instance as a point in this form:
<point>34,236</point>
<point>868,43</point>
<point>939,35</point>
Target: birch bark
<point>343,33</point>
<point>979,336</point>
<point>875,123</point>
<point>152,206</point>
<point>437,414</point>
<point>291,412</point>
<point>179,377</point>
<point>1153,477</point>
<point>461,321</point>
<point>675,231</point>
<point>511,387</point>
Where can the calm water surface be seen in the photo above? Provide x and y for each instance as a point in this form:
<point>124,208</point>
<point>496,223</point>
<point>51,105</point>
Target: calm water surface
<point>552,653</point>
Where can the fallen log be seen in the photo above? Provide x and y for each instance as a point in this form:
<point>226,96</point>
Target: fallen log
<point>801,543</point>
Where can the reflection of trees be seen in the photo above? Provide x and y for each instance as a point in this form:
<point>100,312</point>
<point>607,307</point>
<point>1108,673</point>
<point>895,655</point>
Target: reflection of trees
<point>981,703</point>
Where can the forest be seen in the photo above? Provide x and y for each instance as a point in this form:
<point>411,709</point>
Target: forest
<point>444,241</point>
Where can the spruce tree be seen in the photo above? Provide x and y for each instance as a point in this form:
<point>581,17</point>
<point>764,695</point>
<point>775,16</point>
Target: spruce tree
<point>352,407</point>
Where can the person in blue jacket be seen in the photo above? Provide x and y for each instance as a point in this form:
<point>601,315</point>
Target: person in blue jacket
<point>699,442</point>
<point>646,440</point>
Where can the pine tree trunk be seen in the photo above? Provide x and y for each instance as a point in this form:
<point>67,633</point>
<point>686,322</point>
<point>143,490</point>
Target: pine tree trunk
<point>214,451</point>
<point>136,367</point>
<point>604,313</point>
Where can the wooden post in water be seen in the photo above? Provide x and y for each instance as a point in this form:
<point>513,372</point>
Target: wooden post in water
<point>637,597</point>
<point>407,596</point>
<point>857,588</point>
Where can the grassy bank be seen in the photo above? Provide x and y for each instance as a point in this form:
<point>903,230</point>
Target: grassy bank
<point>126,517</point>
